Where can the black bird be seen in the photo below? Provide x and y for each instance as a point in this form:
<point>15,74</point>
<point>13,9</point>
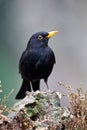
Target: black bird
<point>36,62</point>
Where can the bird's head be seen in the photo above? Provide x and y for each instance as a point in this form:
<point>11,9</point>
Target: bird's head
<point>40,39</point>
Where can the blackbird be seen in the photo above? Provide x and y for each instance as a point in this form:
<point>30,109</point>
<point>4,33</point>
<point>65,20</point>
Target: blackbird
<point>36,62</point>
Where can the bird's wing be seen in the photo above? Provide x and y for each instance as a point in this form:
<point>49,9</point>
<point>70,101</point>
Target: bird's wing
<point>28,61</point>
<point>46,56</point>
<point>46,59</point>
<point>50,57</point>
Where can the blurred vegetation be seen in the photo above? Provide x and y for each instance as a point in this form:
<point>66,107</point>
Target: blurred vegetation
<point>4,109</point>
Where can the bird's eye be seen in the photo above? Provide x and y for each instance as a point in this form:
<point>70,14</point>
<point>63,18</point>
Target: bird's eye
<point>40,37</point>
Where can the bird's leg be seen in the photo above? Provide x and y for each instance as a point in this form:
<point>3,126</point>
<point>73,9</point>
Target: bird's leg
<point>45,80</point>
<point>31,87</point>
<point>47,85</point>
<point>49,91</point>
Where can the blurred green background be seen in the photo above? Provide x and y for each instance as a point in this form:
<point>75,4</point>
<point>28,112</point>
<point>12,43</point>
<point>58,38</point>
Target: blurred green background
<point>19,19</point>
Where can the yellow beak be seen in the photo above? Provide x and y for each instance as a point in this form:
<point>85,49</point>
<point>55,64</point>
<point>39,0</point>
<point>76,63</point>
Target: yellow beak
<point>52,33</point>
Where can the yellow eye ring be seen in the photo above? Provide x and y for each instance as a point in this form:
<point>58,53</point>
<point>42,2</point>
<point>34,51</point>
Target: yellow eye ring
<point>40,37</point>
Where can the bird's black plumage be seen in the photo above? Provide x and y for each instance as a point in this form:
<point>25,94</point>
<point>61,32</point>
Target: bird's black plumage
<point>36,63</point>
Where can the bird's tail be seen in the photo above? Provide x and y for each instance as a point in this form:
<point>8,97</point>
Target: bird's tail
<point>24,87</point>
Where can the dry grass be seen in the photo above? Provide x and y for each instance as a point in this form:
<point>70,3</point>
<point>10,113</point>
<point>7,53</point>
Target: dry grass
<point>78,109</point>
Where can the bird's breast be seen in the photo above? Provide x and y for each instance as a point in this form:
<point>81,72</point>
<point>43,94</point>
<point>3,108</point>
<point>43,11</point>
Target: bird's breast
<point>37,64</point>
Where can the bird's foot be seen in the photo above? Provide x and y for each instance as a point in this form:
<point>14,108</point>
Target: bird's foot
<point>48,90</point>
